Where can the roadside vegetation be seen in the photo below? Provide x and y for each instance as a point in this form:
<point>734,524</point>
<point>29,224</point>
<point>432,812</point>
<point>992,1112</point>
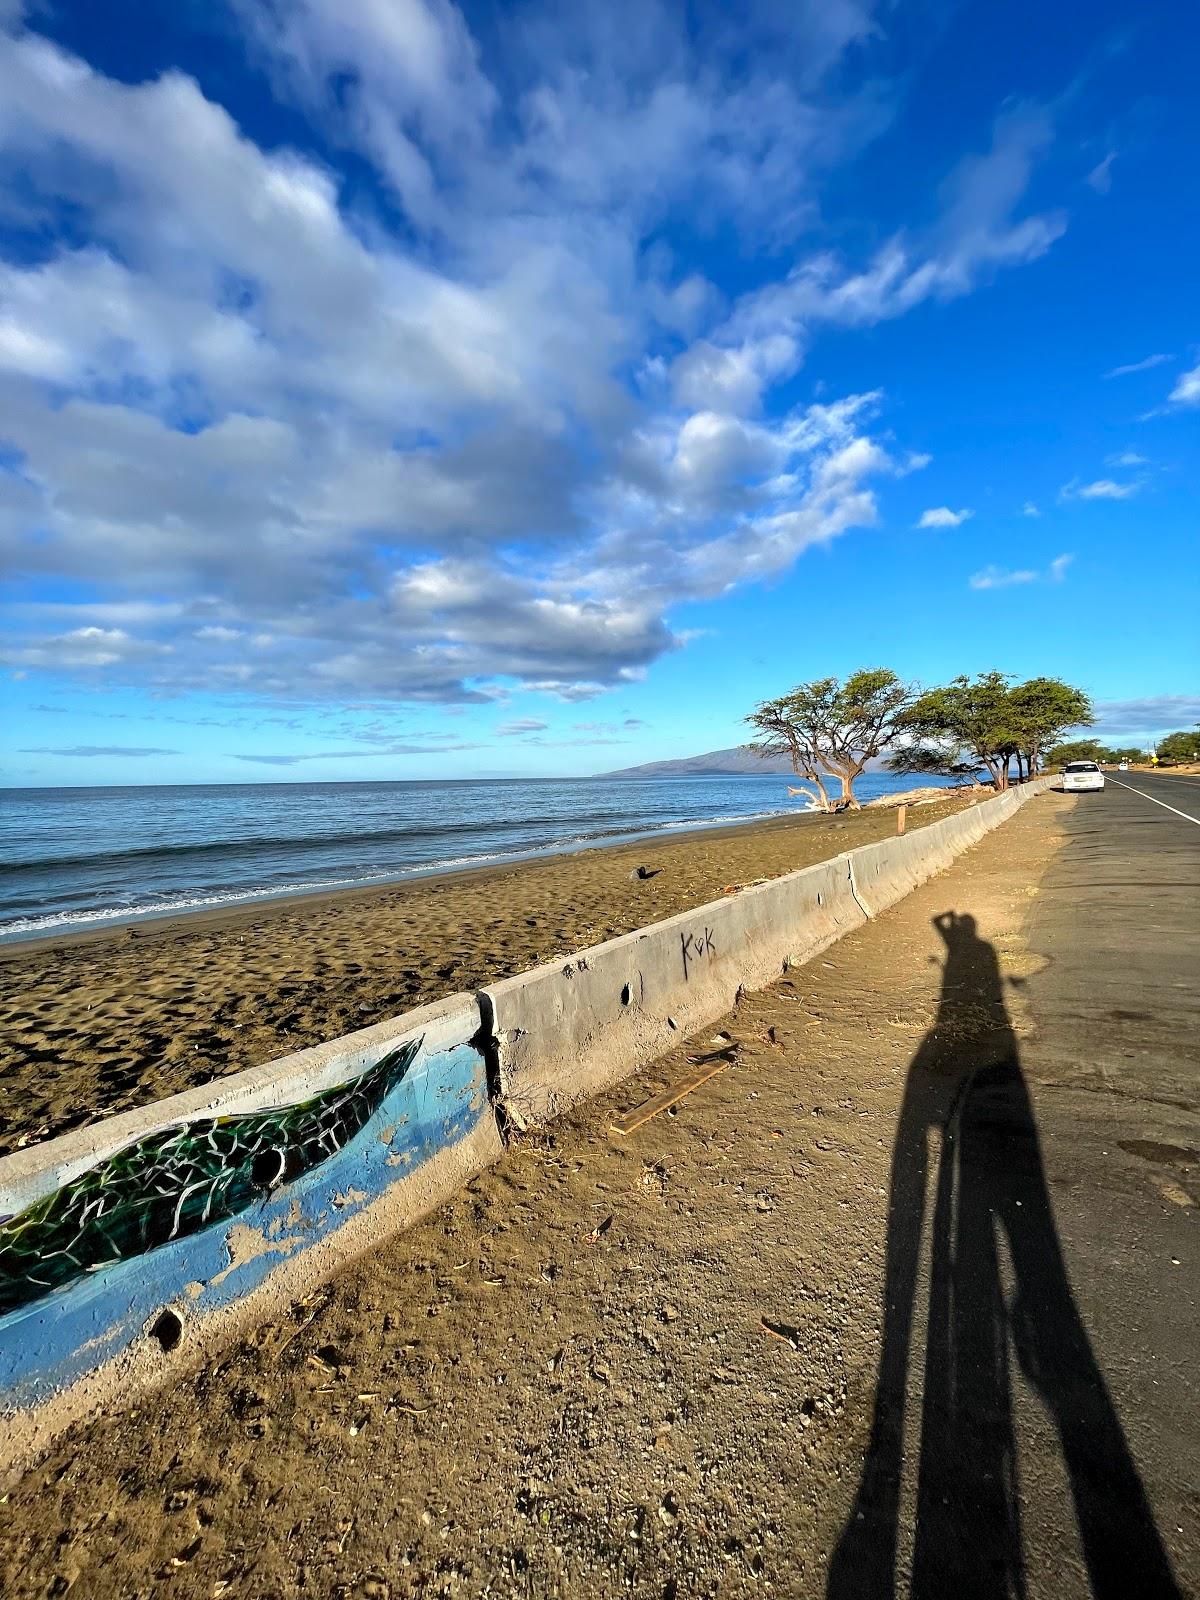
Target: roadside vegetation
<point>1173,749</point>
<point>1183,747</point>
<point>830,729</point>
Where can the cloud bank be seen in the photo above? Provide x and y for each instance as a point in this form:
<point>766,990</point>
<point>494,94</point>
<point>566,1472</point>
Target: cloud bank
<point>465,424</point>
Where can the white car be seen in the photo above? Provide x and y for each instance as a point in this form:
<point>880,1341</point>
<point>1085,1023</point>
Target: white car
<point>1079,775</point>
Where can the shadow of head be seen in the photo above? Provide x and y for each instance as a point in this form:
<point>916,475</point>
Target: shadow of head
<point>955,926</point>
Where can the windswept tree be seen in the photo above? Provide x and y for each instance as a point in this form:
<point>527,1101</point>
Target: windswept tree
<point>989,720</point>
<point>973,715</point>
<point>831,728</point>
<point>1042,711</point>
<point>935,760</point>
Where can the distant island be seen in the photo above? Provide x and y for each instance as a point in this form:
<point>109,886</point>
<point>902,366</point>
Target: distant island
<point>718,764</point>
<point>714,764</point>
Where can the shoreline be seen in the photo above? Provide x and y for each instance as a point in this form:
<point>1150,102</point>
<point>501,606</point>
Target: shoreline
<point>151,919</point>
<point>105,1020</point>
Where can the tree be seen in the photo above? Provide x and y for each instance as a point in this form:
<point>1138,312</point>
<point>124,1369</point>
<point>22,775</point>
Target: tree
<point>992,721</point>
<point>971,714</point>
<point>934,761</point>
<point>1079,750</point>
<point>1180,746</point>
<point>830,727</point>
<point>1042,709</point>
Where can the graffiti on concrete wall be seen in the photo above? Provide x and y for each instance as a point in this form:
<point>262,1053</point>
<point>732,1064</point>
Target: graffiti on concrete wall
<point>695,945</point>
<point>179,1181</point>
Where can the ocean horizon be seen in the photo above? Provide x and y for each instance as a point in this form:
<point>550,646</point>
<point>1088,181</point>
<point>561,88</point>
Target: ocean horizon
<point>86,858</point>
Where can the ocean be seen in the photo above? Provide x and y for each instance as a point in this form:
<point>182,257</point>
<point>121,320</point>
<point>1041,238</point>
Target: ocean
<point>88,858</point>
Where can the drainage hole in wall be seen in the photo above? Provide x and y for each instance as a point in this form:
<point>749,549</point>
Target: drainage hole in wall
<point>266,1169</point>
<point>626,995</point>
<point>167,1330</point>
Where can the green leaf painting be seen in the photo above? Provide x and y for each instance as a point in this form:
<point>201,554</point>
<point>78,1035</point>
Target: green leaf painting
<point>175,1182</point>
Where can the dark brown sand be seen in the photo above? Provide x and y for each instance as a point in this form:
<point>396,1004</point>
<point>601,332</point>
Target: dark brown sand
<point>93,1024</point>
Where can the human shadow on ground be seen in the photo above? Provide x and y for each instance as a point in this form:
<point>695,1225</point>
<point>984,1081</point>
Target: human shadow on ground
<point>990,1205</point>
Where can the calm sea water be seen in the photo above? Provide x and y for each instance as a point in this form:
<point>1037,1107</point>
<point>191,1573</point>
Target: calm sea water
<point>78,858</point>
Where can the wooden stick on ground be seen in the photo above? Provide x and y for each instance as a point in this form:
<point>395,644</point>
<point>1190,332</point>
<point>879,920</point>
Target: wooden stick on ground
<point>659,1102</point>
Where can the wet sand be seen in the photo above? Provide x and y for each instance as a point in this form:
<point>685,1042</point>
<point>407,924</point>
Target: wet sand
<point>101,1022</point>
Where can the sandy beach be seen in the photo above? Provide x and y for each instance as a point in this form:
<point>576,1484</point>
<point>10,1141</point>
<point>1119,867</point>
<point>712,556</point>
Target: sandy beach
<point>97,1023</point>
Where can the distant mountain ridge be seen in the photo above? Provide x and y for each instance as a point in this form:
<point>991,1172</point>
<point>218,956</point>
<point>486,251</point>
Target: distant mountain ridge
<point>714,764</point>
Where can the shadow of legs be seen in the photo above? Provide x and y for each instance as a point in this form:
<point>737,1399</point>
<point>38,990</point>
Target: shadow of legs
<point>966,1089</point>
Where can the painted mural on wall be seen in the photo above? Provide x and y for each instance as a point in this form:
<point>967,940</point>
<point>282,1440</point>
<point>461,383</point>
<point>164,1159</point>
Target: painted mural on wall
<point>179,1181</point>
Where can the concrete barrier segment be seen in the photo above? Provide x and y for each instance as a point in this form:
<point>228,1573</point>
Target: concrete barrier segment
<point>150,1239</point>
<point>571,1028</point>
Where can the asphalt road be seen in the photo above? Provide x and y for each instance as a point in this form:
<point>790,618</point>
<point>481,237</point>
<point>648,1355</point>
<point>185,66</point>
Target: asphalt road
<point>1114,1070</point>
<point>1120,914</point>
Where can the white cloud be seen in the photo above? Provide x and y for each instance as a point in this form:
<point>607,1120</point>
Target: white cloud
<point>84,647</point>
<point>1126,458</point>
<point>89,750</point>
<point>999,578</point>
<point>943,517</point>
<point>976,234</point>
<point>1137,366</point>
<point>1100,177</point>
<point>395,748</point>
<point>1152,715</point>
<point>1030,510</point>
<point>288,447</point>
<point>521,725</point>
<point>1187,389</point>
<point>1006,578</point>
<point>1100,489</point>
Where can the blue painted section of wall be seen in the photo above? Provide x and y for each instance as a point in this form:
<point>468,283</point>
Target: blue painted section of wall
<point>53,1342</point>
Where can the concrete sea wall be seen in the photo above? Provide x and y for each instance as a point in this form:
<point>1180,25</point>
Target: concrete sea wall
<point>572,1028</point>
<point>148,1240</point>
<point>154,1237</point>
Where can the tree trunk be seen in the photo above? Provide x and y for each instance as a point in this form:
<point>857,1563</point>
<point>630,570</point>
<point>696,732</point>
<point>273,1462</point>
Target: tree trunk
<point>1020,769</point>
<point>998,771</point>
<point>814,778</point>
<point>845,775</point>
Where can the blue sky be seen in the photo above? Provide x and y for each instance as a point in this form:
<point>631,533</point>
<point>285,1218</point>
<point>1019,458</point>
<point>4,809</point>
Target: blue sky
<point>392,389</point>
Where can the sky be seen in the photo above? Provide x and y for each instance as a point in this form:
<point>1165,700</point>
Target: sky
<point>390,388</point>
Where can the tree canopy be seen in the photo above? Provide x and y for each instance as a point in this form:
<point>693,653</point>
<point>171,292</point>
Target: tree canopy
<point>831,727</point>
<point>1081,750</point>
<point>987,720</point>
<point>1042,708</point>
<point>1180,746</point>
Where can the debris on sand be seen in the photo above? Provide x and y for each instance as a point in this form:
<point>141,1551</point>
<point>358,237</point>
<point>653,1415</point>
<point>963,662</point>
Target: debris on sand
<point>706,1069</point>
